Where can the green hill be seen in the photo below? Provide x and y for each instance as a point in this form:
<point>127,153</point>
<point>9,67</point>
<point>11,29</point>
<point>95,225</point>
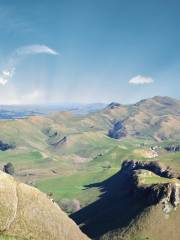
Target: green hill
<point>62,150</point>
<point>76,158</point>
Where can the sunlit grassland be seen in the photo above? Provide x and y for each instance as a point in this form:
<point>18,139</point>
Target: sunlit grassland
<point>147,177</point>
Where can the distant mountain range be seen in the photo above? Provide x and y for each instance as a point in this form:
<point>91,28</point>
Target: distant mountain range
<point>157,117</point>
<point>10,112</point>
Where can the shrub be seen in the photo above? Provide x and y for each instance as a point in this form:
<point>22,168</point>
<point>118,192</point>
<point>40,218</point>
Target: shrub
<point>106,165</point>
<point>9,168</point>
<point>69,205</point>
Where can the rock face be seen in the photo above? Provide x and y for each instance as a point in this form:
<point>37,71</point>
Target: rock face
<point>131,208</point>
<point>166,193</point>
<point>118,131</point>
<point>28,213</point>
<point>173,148</point>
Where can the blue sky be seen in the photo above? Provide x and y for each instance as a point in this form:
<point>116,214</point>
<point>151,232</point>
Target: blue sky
<point>88,50</point>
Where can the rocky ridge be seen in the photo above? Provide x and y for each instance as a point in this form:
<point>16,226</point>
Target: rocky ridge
<point>141,200</point>
<point>168,194</point>
<point>153,166</point>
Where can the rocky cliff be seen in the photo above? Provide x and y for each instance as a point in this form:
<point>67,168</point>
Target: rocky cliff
<point>118,130</point>
<point>153,166</point>
<point>141,201</point>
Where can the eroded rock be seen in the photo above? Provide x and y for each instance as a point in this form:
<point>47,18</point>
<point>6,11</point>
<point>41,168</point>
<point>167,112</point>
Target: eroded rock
<point>172,148</point>
<point>118,131</point>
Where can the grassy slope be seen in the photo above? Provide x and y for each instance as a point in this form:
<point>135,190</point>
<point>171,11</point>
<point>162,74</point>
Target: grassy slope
<point>150,225</point>
<point>147,177</point>
<point>71,161</point>
<point>83,159</point>
<point>9,238</point>
<point>74,186</point>
<point>4,237</point>
<point>88,150</point>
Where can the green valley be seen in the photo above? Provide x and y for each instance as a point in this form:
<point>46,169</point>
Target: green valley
<point>70,156</point>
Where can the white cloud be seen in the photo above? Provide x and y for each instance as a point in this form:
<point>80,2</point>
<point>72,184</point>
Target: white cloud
<point>18,55</point>
<point>35,49</point>
<point>140,80</point>
<point>6,75</point>
<point>3,81</point>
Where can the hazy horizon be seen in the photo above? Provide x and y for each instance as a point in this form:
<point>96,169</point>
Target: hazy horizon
<point>74,104</point>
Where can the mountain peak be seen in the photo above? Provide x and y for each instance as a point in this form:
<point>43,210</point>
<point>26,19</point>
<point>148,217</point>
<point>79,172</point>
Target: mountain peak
<point>113,105</point>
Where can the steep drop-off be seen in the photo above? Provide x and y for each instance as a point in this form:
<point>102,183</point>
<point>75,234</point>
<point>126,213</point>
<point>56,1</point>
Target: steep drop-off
<point>139,202</point>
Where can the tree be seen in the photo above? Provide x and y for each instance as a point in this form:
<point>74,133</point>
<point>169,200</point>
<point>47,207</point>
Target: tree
<point>69,205</point>
<point>9,168</point>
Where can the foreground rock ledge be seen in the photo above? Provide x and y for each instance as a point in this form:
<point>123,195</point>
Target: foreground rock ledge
<point>27,213</point>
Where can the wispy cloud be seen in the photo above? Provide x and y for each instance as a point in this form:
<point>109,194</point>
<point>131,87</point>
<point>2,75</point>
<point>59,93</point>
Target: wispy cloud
<point>35,49</point>
<point>18,55</point>
<point>141,80</point>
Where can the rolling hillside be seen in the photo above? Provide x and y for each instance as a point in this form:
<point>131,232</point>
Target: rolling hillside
<point>61,153</point>
<point>76,159</point>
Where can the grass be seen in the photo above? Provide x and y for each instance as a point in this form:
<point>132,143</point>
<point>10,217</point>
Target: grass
<point>147,177</point>
<point>86,141</point>
<point>3,237</point>
<point>74,186</point>
<point>29,159</point>
<point>71,179</point>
